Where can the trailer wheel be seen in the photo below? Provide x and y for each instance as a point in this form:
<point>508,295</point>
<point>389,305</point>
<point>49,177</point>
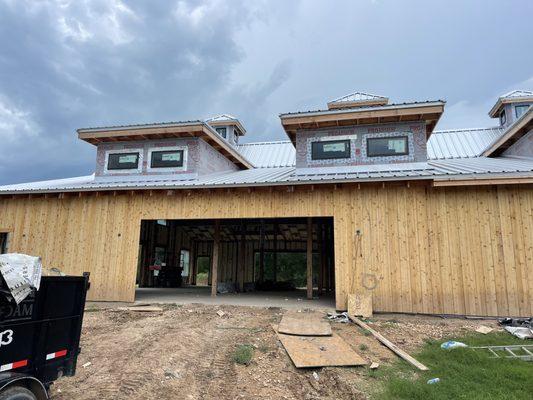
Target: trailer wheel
<point>17,393</point>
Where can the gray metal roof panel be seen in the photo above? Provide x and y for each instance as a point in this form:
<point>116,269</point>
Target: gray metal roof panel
<point>364,108</point>
<point>478,167</point>
<point>269,154</point>
<point>461,143</point>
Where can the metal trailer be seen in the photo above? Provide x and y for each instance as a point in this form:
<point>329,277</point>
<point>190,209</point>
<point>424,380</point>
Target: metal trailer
<point>39,338</point>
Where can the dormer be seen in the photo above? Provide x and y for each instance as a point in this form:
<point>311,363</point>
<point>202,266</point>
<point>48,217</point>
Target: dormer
<point>183,150</point>
<point>511,106</point>
<point>361,129</point>
<point>228,127</point>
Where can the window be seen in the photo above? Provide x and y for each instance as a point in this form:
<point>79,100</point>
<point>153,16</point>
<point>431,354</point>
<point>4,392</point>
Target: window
<point>520,110</point>
<point>222,132</point>
<point>503,118</point>
<point>167,159</point>
<point>387,146</point>
<point>326,150</point>
<point>123,161</point>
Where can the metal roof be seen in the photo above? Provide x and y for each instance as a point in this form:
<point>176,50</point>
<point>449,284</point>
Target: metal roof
<point>461,143</point>
<point>517,93</point>
<point>472,168</point>
<point>140,126</point>
<point>269,154</point>
<point>358,96</point>
<point>221,117</point>
<point>427,103</point>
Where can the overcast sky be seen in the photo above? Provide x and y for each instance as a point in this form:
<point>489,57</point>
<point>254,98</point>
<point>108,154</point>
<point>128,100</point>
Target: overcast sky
<point>71,64</point>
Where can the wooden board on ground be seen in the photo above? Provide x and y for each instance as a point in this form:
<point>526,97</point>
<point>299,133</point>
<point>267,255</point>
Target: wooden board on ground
<point>320,351</point>
<point>304,324</point>
<point>141,309</point>
<point>360,304</point>
<point>389,344</point>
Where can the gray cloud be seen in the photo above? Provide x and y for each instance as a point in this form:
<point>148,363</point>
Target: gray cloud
<point>71,64</point>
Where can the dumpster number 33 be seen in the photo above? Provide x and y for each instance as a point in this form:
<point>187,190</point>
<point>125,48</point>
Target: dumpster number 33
<point>6,337</point>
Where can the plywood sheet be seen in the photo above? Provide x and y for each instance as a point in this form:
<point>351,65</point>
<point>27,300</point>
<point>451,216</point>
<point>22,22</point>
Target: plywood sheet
<point>320,351</point>
<point>304,324</point>
<point>360,304</point>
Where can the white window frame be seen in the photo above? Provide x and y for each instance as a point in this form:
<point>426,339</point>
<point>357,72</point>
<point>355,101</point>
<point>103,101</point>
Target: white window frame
<point>169,169</point>
<point>123,171</point>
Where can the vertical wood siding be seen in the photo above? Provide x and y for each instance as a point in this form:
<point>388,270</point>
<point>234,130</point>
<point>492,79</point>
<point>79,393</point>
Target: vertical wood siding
<point>421,249</point>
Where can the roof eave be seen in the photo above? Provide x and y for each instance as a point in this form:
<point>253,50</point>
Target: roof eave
<point>160,131</point>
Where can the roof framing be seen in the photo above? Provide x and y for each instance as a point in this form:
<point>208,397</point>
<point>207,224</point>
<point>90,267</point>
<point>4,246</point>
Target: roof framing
<point>197,129</point>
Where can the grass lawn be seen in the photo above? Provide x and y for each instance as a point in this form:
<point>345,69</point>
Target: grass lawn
<point>463,373</point>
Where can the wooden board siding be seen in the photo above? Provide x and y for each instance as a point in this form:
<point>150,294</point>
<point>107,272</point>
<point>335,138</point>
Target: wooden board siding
<point>428,250</point>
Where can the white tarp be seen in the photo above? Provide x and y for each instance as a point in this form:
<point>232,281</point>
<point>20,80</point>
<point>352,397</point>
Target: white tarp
<point>22,273</point>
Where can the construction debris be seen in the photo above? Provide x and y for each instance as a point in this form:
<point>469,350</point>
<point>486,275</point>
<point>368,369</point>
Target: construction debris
<point>360,305</point>
<point>304,324</point>
<point>452,344</point>
<point>320,351</point>
<point>21,274</point>
<point>221,313</point>
<point>389,344</point>
<point>338,317</point>
<point>522,328</point>
<point>483,329</point>
<point>374,365</point>
<point>87,364</point>
<point>141,309</point>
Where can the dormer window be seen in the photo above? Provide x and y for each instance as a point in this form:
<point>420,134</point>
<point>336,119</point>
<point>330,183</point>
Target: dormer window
<point>520,110</point>
<point>167,159</point>
<point>387,146</point>
<point>222,132</point>
<point>503,118</point>
<point>330,149</point>
<point>122,161</point>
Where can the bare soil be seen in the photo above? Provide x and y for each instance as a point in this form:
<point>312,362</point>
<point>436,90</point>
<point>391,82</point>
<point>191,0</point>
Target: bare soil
<point>186,352</point>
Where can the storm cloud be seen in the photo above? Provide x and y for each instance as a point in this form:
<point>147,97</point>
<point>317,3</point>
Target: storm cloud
<point>71,64</point>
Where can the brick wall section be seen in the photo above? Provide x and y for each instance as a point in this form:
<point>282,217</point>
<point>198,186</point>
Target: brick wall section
<point>201,158</point>
<point>415,131</point>
<point>211,161</point>
<point>523,147</point>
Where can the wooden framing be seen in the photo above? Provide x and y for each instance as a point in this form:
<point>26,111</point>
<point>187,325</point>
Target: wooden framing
<point>309,258</point>
<point>438,250</point>
<point>214,259</point>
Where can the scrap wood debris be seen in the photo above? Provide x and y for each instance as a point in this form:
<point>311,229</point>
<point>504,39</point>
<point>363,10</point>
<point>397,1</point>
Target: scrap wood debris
<point>389,344</point>
<point>141,309</point>
<point>483,329</point>
<point>310,343</point>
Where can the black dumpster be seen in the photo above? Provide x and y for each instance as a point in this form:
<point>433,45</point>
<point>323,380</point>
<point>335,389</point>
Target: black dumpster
<point>39,338</point>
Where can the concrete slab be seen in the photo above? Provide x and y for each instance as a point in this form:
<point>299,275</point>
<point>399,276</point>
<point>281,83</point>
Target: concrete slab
<point>202,295</point>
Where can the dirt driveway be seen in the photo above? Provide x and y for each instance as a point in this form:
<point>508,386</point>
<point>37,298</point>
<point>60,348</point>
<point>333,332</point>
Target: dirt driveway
<point>186,352</point>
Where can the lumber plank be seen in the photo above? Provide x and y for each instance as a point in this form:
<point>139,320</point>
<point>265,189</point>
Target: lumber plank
<point>389,344</point>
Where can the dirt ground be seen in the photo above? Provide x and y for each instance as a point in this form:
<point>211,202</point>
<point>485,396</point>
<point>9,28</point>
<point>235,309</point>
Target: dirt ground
<point>185,352</point>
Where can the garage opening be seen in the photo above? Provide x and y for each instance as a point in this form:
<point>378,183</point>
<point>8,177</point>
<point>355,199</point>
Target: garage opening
<point>236,256</point>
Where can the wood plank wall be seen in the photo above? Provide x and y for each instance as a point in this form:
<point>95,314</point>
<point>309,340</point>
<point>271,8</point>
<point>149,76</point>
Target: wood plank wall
<point>420,249</point>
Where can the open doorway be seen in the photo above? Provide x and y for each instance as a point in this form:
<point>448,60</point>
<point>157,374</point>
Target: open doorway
<point>4,242</point>
<point>253,255</point>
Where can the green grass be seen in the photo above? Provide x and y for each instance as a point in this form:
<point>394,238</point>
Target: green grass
<point>243,354</point>
<point>463,373</point>
<point>363,347</point>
